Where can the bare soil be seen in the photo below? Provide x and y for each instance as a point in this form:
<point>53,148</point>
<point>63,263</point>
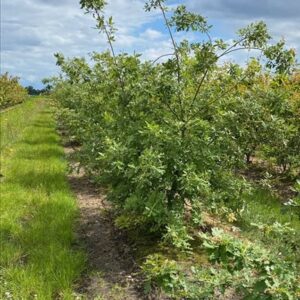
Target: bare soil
<point>111,270</point>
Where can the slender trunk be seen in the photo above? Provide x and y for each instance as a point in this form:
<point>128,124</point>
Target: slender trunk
<point>171,194</point>
<point>248,158</point>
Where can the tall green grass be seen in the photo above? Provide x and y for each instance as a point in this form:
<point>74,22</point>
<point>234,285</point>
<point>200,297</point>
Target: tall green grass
<point>14,120</point>
<point>37,214</point>
<point>264,207</point>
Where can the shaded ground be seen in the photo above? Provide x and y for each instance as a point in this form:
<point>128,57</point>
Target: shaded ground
<point>279,182</point>
<point>111,271</point>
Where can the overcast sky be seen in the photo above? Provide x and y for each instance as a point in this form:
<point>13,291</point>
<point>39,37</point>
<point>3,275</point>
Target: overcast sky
<point>33,30</point>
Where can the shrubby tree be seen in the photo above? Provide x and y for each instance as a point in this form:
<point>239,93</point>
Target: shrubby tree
<point>11,92</point>
<point>166,137</point>
<point>283,104</point>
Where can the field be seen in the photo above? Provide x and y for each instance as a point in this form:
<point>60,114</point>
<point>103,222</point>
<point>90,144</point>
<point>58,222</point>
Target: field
<point>37,208</point>
<point>176,178</point>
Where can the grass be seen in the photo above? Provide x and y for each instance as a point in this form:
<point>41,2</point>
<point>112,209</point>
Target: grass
<point>15,119</point>
<point>264,207</point>
<point>37,211</point>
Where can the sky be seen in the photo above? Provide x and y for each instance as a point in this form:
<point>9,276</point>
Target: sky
<point>33,30</point>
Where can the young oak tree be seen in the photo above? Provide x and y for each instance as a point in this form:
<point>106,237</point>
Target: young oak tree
<point>157,133</point>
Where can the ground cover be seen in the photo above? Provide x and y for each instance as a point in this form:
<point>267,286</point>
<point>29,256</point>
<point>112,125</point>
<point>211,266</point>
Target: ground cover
<point>38,210</point>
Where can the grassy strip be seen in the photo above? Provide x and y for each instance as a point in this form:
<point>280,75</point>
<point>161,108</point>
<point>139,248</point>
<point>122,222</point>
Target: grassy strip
<point>14,120</point>
<point>264,207</point>
<point>37,217</point>
<point>279,224</point>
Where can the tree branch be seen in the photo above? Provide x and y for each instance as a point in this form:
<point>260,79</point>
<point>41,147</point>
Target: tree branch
<point>231,47</point>
<point>164,55</point>
<point>173,41</point>
<point>238,49</point>
<point>107,34</point>
<point>176,55</point>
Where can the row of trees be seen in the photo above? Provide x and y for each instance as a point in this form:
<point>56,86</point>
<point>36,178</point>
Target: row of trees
<point>153,127</point>
<point>36,92</point>
<point>11,92</point>
<point>167,139</point>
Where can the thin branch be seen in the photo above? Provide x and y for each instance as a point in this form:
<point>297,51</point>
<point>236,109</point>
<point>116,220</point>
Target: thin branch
<point>198,88</point>
<point>173,41</point>
<point>203,78</point>
<point>231,47</point>
<point>119,75</point>
<point>238,49</point>
<point>229,50</point>
<point>164,55</point>
<point>176,55</point>
<point>219,96</point>
<point>209,37</point>
<point>107,34</point>
<point>172,111</point>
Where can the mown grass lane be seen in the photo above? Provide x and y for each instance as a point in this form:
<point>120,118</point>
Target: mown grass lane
<point>38,212</point>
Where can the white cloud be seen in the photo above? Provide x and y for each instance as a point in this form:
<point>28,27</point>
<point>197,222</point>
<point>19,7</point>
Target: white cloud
<point>162,48</point>
<point>151,34</point>
<point>33,30</point>
<point>282,17</point>
<point>241,9</point>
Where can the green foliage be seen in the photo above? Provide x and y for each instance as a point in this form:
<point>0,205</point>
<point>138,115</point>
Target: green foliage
<point>257,273</point>
<point>238,267</point>
<point>177,234</point>
<point>163,272</point>
<point>92,5</point>
<point>254,35</point>
<point>11,92</point>
<point>279,223</point>
<point>281,59</point>
<point>154,4</point>
<point>35,92</point>
<point>158,137</point>
<point>185,21</point>
<point>169,139</point>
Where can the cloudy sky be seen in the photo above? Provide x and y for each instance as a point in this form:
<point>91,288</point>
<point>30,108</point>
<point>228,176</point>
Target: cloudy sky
<point>33,30</point>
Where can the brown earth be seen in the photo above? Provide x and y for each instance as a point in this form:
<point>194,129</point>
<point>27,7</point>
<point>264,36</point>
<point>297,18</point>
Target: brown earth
<point>111,271</point>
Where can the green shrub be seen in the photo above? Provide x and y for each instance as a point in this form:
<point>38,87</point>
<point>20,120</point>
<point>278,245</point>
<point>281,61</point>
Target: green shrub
<point>11,92</point>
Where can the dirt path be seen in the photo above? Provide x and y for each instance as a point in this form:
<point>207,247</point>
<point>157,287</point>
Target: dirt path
<point>111,270</point>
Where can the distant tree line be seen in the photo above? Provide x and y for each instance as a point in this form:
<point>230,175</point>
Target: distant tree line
<point>35,92</point>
